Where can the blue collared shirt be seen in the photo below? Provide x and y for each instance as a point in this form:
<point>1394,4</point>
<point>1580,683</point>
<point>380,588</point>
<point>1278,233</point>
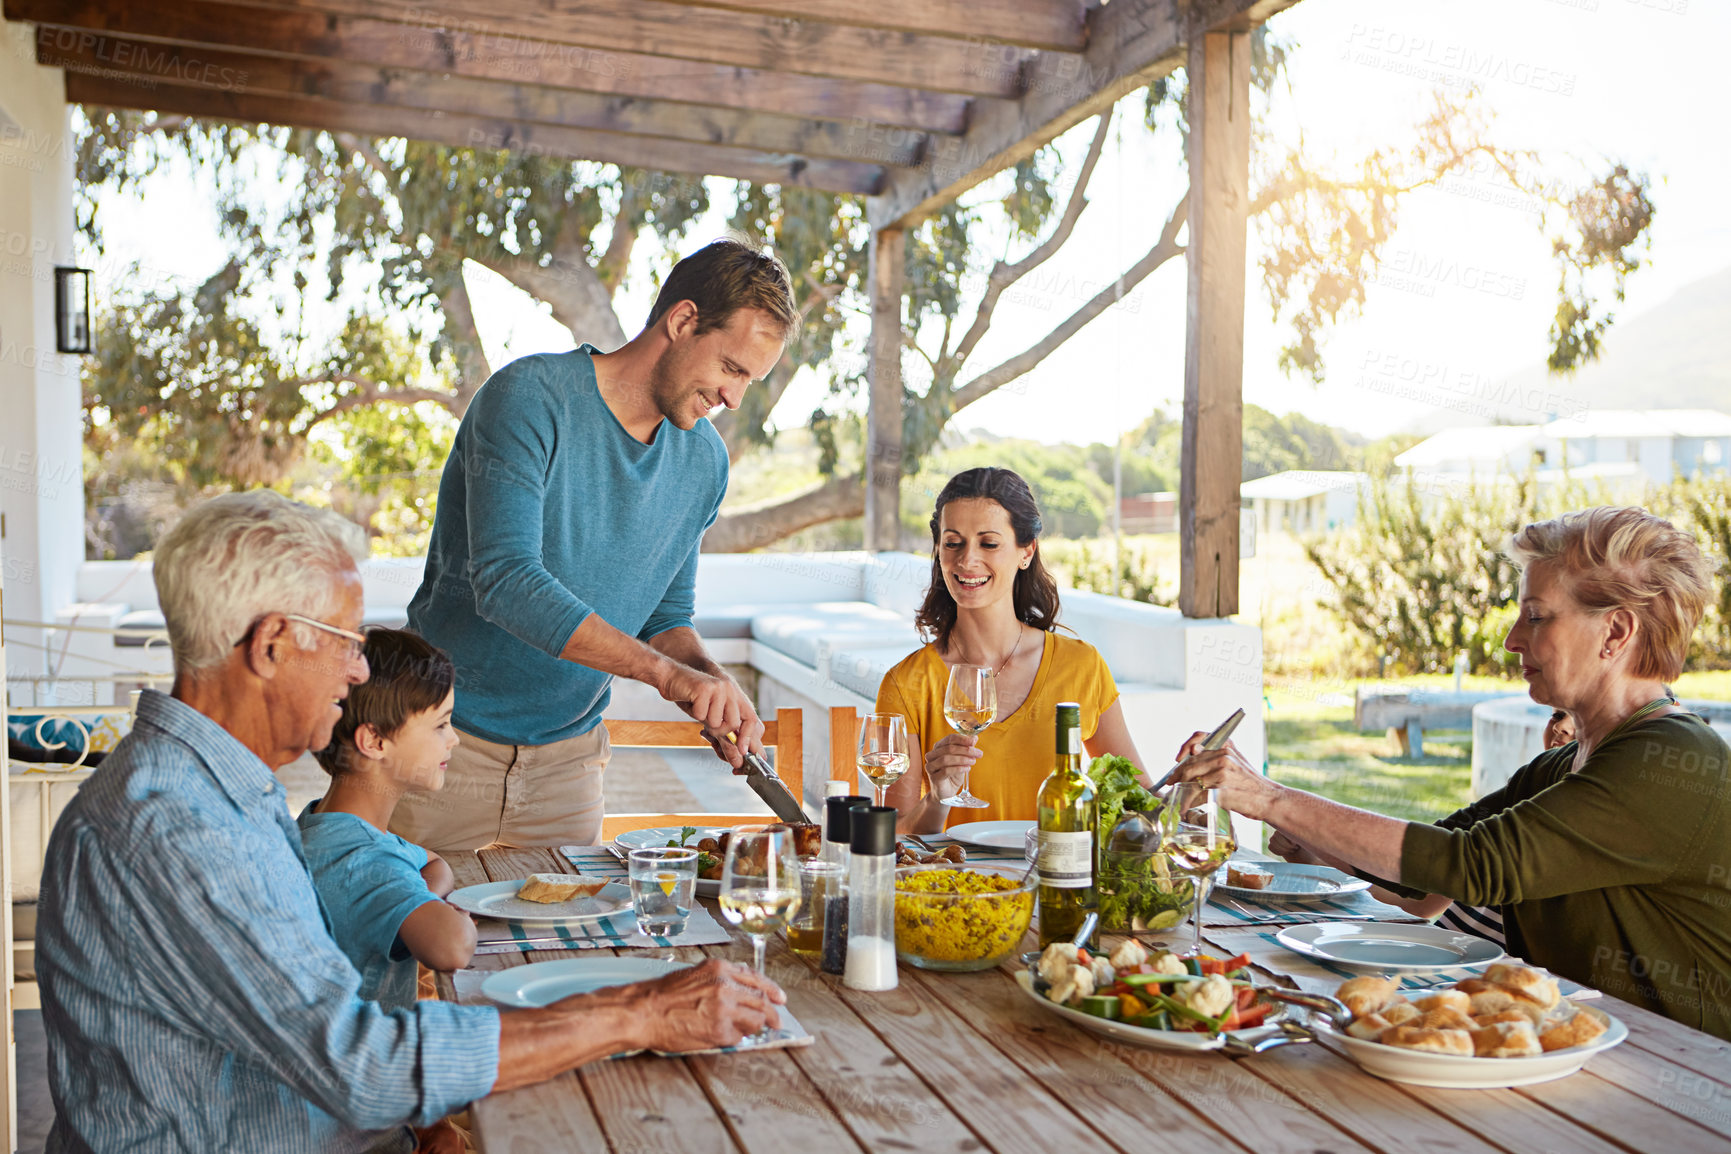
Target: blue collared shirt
<point>193,997</point>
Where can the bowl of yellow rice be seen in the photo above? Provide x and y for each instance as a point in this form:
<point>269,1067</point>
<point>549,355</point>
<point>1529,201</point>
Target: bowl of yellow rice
<point>961,919</point>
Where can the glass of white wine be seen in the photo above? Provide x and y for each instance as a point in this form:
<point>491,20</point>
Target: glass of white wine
<point>760,884</point>
<point>970,704</point>
<point>1195,840</point>
<point>883,751</point>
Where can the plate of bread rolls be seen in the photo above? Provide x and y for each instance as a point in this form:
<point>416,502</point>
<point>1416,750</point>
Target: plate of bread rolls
<point>1510,1027</point>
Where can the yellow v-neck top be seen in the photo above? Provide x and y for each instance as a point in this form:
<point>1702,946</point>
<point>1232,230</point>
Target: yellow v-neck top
<point>1017,751</point>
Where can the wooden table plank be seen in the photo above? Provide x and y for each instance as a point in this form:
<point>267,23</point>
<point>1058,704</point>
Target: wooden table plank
<point>770,1105</point>
<point>466,868</point>
<point>1000,1103</point>
<point>878,1096</point>
<point>550,1115</point>
<point>1684,1045</point>
<point>1371,1110</point>
<point>1076,1066</point>
<point>1624,1112</point>
<point>649,1103</point>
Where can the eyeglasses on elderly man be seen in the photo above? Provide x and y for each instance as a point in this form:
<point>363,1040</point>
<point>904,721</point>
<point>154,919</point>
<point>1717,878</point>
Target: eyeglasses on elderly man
<point>356,640</point>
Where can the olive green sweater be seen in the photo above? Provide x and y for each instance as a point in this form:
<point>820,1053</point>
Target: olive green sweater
<point>1618,876</point>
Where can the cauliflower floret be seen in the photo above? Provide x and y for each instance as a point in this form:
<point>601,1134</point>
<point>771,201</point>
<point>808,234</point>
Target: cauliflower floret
<point>1211,996</point>
<point>1169,963</point>
<point>1129,955</point>
<point>1102,971</point>
<point>1056,960</point>
<point>1075,985</point>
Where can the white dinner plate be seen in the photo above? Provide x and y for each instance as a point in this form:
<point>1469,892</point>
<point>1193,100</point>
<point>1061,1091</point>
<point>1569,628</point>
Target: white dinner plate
<point>1421,1068</point>
<point>991,834</point>
<point>543,983</point>
<point>1388,948</point>
<point>1294,883</point>
<point>500,900</point>
<point>662,834</point>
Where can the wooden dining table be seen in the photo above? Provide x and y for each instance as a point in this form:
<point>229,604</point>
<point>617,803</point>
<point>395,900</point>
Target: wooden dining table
<point>968,1062</point>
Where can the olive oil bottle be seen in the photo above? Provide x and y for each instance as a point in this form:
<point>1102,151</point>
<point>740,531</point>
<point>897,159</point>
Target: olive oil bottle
<point>1068,813</point>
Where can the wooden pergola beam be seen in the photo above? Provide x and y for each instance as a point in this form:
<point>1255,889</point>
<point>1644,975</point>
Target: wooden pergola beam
<point>1131,43</point>
<point>217,68</point>
<point>1059,25</point>
<point>659,28</point>
<point>480,132</point>
<point>65,24</point>
<point>1212,455</point>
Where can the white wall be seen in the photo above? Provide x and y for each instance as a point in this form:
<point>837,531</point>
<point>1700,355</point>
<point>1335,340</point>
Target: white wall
<point>41,454</point>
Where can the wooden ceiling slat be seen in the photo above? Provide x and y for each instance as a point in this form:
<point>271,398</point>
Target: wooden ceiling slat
<point>479,132</point>
<point>1131,43</point>
<point>659,28</point>
<point>479,55</point>
<point>1056,25</point>
<point>253,74</point>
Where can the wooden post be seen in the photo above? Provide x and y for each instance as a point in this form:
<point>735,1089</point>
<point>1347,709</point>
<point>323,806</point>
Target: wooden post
<point>883,464</point>
<point>1213,440</point>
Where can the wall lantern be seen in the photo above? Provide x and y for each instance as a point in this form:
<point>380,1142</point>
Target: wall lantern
<point>72,310</point>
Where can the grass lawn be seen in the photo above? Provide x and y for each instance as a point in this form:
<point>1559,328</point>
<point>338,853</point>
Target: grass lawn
<point>1313,745</point>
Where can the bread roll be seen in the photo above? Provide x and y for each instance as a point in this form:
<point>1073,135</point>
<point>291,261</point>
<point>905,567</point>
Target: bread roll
<point>1447,1018</point>
<point>1435,1041</point>
<point>1366,995</point>
<point>548,888</point>
<point>1444,1000</point>
<point>1513,1012</point>
<point>1525,983</point>
<point>1400,1012</point>
<point>1370,1027</point>
<point>1492,1001</point>
<point>1506,1040</point>
<point>1577,1029</point>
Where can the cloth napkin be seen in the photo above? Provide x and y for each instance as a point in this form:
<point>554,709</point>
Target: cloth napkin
<point>1219,913</point>
<point>788,1035</point>
<point>620,931</point>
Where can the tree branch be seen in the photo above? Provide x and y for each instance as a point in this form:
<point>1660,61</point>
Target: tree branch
<point>746,529</point>
<point>369,391</point>
<point>1005,274</point>
<point>1002,374</point>
<point>576,294</point>
<point>465,339</point>
<point>613,263</point>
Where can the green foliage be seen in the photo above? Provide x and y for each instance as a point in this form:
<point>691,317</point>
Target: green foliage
<point>1073,500</point>
<point>1087,564</point>
<point>1276,444</point>
<point>1420,576</point>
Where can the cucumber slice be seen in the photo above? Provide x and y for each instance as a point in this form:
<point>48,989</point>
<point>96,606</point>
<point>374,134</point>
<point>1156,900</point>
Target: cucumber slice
<point>1102,1006</point>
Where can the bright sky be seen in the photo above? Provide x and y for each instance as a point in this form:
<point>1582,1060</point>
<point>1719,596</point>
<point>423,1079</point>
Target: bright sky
<point>1634,80</point>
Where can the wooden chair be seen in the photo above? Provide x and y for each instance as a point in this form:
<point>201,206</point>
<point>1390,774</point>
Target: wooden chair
<point>785,735</point>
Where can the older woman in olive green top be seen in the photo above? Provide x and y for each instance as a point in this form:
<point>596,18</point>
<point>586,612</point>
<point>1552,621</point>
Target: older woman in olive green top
<point>1610,856</point>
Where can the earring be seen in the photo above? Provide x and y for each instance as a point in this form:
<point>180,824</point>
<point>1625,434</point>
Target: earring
<point>1607,651</point>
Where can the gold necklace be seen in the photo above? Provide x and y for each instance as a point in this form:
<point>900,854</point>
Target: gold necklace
<point>1020,632</point>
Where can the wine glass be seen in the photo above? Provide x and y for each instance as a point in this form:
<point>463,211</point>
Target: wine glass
<point>970,704</point>
<point>760,884</point>
<point>883,751</point>
<point>1195,840</point>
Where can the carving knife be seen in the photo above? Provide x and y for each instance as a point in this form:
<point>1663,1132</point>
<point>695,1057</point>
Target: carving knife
<point>767,784</point>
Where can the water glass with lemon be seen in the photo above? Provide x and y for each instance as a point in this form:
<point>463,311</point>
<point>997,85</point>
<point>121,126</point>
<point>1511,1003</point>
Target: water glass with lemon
<point>663,879</point>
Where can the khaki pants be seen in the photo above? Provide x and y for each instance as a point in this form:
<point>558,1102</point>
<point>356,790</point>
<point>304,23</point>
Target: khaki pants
<point>511,795</point>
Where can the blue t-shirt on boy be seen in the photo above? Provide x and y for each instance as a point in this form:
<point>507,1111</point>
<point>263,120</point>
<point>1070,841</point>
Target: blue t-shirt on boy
<point>369,882</point>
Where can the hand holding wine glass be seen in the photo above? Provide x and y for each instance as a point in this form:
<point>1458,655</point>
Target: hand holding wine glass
<point>883,751</point>
<point>1196,838</point>
<point>970,705</point>
<point>760,884</point>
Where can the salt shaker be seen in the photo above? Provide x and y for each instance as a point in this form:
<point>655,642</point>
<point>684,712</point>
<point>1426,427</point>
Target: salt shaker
<point>871,932</point>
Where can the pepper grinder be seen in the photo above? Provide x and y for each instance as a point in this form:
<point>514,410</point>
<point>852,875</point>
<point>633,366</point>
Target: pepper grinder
<point>837,833</point>
<point>871,937</point>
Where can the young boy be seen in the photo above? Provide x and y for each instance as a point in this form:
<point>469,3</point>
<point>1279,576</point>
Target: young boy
<point>383,894</point>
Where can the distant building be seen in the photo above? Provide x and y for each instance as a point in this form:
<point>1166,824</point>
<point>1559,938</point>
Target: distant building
<point>1627,450</point>
<point>1149,513</point>
<point>1302,501</point>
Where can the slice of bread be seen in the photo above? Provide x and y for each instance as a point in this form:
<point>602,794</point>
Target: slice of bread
<point>1248,877</point>
<point>1436,1041</point>
<point>548,888</point>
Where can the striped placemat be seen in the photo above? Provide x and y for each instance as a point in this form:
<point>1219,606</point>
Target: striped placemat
<point>1221,911</point>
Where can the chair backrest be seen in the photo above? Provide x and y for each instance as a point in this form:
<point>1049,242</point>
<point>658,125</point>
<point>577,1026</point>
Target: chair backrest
<point>785,735</point>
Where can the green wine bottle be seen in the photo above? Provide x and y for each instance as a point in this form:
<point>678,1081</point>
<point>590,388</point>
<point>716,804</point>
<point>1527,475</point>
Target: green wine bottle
<point>1068,812</point>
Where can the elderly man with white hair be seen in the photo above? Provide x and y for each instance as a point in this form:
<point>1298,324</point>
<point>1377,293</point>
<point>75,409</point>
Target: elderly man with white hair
<point>193,997</point>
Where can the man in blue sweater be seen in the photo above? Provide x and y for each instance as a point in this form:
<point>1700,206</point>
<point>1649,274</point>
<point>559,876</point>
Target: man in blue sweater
<point>564,553</point>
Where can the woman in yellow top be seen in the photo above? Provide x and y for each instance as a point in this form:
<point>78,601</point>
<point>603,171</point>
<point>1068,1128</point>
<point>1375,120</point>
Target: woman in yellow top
<point>992,603</point>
